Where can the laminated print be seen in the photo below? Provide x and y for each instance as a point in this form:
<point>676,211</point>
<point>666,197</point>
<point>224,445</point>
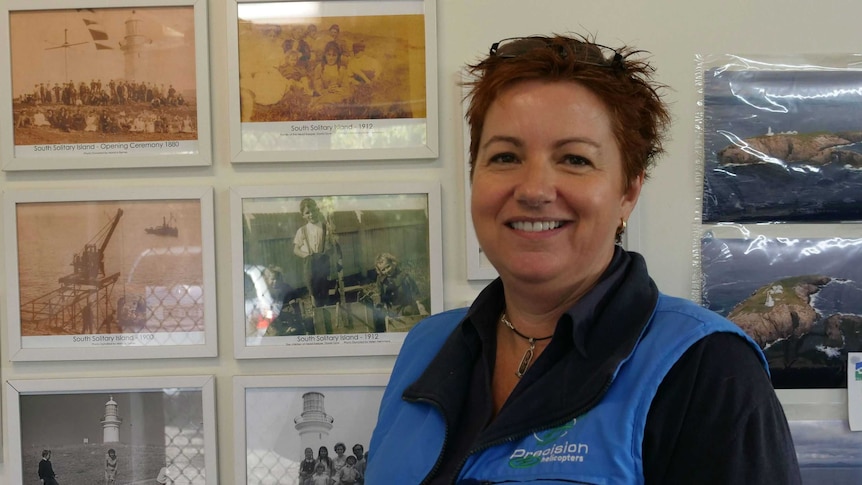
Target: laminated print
<point>828,452</point>
<point>800,299</point>
<point>782,142</point>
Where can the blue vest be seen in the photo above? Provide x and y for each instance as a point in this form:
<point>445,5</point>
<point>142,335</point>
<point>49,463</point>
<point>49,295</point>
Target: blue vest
<point>604,446</point>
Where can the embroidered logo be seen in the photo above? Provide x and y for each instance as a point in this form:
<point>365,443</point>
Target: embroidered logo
<point>549,448</point>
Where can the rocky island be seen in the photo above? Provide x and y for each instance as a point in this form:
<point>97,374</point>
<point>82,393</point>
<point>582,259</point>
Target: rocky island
<point>779,310</point>
<point>809,148</point>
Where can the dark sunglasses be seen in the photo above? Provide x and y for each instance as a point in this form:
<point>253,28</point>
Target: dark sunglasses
<point>591,54</point>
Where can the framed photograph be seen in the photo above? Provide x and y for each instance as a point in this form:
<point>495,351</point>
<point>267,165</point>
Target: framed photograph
<point>795,289</point>
<point>781,138</point>
<point>325,270</point>
<point>332,80</point>
<point>123,273</point>
<point>285,423</point>
<point>478,266</point>
<point>128,429</point>
<point>85,86</point>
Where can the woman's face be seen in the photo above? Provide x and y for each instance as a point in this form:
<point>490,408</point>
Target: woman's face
<point>548,185</point>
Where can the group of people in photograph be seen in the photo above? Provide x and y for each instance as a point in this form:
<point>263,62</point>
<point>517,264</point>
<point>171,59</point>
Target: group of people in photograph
<point>342,469</point>
<point>117,107</point>
<point>97,93</point>
<point>321,69</point>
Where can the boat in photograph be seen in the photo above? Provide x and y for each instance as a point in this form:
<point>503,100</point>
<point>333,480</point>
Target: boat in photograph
<point>168,227</point>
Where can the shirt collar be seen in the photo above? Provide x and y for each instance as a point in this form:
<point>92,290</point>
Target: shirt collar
<point>484,313</point>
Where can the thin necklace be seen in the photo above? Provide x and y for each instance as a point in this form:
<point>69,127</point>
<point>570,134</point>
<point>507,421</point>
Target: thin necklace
<point>528,355</point>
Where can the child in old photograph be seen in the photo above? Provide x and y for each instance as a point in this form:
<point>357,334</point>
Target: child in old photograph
<point>46,469</point>
<point>111,463</point>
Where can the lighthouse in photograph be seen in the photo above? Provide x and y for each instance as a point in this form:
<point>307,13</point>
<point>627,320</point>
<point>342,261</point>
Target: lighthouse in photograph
<point>313,424</point>
<point>133,45</point>
<point>111,422</point>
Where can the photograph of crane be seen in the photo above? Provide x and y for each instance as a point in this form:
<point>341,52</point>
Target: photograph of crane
<point>110,267</point>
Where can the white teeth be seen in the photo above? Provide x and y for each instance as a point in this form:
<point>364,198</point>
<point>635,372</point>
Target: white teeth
<point>536,226</point>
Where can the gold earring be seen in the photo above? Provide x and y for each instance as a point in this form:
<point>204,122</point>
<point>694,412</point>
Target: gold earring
<point>621,229</point>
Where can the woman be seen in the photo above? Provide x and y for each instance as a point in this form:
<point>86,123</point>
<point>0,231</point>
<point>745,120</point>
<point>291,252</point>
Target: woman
<point>340,458</point>
<point>572,367</point>
<point>324,460</point>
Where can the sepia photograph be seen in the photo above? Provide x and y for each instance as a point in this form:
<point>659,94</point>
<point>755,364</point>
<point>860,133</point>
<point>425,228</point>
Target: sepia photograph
<point>799,296</point>
<point>303,430</point>
<point>116,431</point>
<point>329,271</point>
<point>96,83</point>
<point>782,139</point>
<point>334,75</point>
<point>109,276</point>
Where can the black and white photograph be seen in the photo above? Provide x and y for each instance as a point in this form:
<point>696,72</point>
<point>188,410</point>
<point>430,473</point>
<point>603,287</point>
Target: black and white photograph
<point>798,296</point>
<point>325,269</point>
<point>114,431</point>
<point>305,430</point>
<point>91,84</point>
<point>321,79</point>
<point>782,139</point>
<point>121,277</point>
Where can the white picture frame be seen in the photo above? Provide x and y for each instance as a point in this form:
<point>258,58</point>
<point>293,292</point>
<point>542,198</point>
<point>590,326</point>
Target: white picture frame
<point>275,420</point>
<point>119,273</point>
<point>283,113</point>
<point>117,58</point>
<point>284,308</point>
<point>132,409</point>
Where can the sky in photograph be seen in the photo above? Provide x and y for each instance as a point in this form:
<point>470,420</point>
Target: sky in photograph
<point>38,38</point>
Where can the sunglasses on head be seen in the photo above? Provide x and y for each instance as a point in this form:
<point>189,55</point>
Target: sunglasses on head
<point>586,53</point>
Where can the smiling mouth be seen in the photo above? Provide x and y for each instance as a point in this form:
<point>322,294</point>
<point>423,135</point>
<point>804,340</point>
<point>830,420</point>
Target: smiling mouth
<point>535,226</point>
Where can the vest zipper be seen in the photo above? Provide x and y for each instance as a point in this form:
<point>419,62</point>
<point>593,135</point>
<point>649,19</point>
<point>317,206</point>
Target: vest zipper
<point>445,437</point>
<point>511,438</point>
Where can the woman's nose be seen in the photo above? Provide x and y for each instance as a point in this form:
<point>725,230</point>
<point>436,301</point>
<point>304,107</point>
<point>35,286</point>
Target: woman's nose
<point>536,184</point>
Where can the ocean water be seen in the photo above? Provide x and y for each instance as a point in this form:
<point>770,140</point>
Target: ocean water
<point>838,475</point>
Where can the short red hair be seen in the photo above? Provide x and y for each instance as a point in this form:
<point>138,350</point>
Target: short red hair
<point>639,115</point>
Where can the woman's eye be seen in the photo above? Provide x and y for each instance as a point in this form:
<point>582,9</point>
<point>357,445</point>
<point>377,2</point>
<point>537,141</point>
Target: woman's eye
<point>504,158</point>
<point>576,160</point>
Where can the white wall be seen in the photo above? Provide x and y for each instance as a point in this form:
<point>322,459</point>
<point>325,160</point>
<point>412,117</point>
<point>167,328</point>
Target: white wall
<point>673,30</point>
